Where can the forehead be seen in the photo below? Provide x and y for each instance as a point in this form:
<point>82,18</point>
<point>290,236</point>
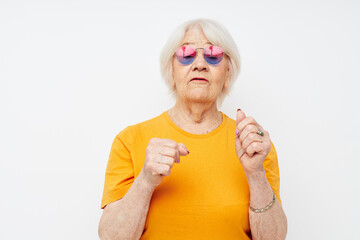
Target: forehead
<point>195,36</point>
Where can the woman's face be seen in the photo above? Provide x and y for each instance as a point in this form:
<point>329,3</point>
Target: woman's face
<point>216,75</point>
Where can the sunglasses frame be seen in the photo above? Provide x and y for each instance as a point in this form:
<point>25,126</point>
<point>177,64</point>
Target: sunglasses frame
<point>196,54</point>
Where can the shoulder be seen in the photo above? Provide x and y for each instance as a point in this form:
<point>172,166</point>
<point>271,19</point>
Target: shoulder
<point>129,133</point>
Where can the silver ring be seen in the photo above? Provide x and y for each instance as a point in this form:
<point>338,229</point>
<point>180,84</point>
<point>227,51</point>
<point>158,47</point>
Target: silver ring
<point>261,133</point>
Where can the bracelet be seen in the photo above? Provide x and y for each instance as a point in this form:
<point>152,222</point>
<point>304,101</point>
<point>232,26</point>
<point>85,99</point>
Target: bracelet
<point>265,208</point>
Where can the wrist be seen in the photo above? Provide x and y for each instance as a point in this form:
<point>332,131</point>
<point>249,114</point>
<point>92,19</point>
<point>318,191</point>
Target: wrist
<point>144,183</point>
<point>254,175</point>
<point>260,190</point>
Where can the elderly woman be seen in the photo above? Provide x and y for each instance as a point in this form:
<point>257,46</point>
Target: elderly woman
<point>192,172</point>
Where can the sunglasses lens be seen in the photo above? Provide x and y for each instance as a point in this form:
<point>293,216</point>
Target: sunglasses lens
<point>186,55</point>
<point>213,54</point>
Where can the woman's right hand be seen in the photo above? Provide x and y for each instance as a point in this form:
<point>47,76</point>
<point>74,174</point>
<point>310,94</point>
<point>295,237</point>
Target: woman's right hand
<point>161,154</point>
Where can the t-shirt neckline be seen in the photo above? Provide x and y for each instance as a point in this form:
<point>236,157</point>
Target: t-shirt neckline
<point>192,135</point>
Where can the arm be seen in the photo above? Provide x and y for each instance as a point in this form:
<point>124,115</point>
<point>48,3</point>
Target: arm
<point>271,224</point>
<point>252,148</point>
<point>125,218</point>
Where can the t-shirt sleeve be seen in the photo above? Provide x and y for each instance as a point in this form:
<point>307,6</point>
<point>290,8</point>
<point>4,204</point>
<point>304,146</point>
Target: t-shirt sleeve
<point>119,174</point>
<point>271,167</point>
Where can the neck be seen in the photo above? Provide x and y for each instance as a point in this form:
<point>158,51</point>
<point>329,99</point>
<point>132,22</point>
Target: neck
<point>196,117</point>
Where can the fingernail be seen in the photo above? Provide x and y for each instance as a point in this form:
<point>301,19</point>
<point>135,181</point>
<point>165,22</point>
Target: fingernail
<point>237,132</point>
<point>239,109</point>
<point>188,151</point>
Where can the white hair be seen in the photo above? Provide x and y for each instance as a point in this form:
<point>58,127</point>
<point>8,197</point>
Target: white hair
<point>217,35</point>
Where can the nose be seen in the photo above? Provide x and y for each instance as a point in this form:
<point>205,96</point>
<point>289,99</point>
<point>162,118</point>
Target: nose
<point>200,63</point>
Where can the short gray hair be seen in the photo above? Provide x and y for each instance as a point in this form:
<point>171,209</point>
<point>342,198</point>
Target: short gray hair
<point>217,34</point>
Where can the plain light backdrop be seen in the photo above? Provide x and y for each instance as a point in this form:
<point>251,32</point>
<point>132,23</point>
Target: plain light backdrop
<point>75,73</point>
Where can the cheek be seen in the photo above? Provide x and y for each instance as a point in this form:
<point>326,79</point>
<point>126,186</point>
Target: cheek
<point>221,76</point>
<point>224,72</point>
<point>179,74</point>
<point>175,74</point>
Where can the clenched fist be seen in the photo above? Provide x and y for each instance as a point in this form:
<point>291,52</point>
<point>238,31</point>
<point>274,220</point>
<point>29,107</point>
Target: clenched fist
<point>161,154</point>
<point>251,147</point>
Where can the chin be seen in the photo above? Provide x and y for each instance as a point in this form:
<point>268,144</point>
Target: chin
<point>199,98</point>
<point>199,95</point>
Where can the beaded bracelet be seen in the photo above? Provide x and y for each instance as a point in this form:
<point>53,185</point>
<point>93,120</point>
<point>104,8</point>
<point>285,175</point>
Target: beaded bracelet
<point>265,208</point>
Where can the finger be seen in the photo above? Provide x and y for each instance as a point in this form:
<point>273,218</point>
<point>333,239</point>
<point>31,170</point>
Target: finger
<point>238,146</point>
<point>240,151</point>
<point>251,138</point>
<point>177,158</point>
<point>250,128</point>
<point>245,122</point>
<point>167,142</point>
<point>183,151</point>
<point>165,160</point>
<point>161,169</point>
<point>170,152</point>
<point>255,147</point>
<point>240,115</point>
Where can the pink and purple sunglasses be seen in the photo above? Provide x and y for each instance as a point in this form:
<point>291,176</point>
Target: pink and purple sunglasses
<point>212,54</point>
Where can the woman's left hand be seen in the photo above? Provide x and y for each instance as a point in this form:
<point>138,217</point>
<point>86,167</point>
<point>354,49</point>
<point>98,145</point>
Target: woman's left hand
<point>251,148</point>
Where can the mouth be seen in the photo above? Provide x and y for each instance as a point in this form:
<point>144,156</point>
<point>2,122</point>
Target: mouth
<point>199,79</point>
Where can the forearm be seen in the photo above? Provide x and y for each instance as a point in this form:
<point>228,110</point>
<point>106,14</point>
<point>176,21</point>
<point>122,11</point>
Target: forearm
<point>271,224</point>
<point>125,218</point>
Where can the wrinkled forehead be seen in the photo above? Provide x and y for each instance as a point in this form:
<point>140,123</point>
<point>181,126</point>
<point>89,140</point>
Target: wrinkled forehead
<point>195,37</point>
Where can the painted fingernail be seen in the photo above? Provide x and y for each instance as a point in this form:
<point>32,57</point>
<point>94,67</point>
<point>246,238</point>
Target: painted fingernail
<point>188,151</point>
<point>239,109</point>
<point>237,132</point>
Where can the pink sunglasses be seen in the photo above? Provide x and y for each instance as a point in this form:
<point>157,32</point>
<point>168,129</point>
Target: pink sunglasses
<point>212,54</point>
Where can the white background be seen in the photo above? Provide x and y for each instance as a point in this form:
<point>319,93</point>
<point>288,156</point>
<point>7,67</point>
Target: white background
<point>75,73</point>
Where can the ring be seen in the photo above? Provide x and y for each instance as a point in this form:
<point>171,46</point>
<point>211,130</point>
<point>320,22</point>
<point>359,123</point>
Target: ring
<point>261,133</point>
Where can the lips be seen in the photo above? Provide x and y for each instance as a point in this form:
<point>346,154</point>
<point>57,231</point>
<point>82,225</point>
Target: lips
<point>199,79</point>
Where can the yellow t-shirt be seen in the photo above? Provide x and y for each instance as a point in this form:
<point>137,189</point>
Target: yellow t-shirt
<point>206,196</point>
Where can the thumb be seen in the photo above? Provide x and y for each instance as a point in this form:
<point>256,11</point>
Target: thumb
<point>182,149</point>
<point>240,115</point>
